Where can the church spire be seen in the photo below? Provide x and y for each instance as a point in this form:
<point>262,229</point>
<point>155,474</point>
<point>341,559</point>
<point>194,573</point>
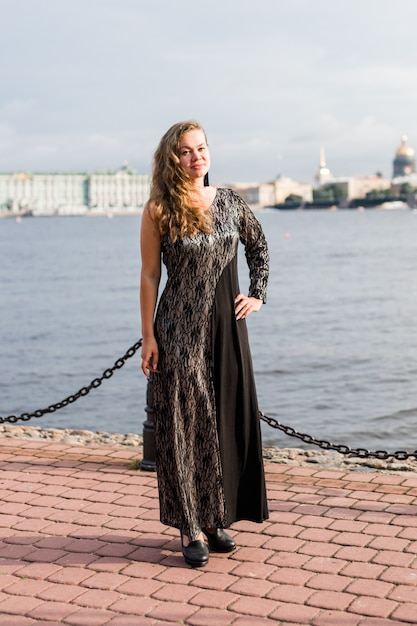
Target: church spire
<point>323,175</point>
<point>322,158</point>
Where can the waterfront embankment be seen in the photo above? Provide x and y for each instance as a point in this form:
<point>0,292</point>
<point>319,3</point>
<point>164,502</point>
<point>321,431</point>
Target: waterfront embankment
<point>272,454</point>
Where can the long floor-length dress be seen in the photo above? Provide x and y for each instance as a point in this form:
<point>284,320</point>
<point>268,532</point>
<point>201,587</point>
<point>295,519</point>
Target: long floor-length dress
<point>207,431</point>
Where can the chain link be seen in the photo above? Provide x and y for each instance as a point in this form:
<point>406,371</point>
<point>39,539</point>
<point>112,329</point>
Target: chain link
<point>399,455</point>
<point>108,373</point>
<point>363,453</point>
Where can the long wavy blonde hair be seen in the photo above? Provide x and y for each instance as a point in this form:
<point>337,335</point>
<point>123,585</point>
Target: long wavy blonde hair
<point>173,211</point>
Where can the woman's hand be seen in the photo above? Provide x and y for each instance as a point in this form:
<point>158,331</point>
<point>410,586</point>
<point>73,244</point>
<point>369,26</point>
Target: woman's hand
<point>150,355</point>
<point>245,305</point>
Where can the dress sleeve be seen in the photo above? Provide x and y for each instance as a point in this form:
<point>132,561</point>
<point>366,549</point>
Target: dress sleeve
<point>256,249</point>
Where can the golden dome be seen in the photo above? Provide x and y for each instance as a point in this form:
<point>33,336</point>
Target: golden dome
<point>404,150</point>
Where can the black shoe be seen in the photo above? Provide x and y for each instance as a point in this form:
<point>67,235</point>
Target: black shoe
<point>219,541</point>
<point>196,553</point>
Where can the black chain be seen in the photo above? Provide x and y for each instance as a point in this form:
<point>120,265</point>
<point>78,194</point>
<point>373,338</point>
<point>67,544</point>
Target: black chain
<point>400,455</point>
<point>108,373</point>
<point>363,453</point>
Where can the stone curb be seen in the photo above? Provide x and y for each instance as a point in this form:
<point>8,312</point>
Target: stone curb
<point>286,456</point>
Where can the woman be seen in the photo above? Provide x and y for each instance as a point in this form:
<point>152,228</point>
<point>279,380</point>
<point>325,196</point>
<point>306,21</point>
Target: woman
<point>207,431</point>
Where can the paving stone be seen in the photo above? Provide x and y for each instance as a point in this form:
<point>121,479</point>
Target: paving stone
<point>16,551</point>
<point>412,547</point>
<point>221,564</point>
<point>403,593</point>
<point>289,559</point>
<point>377,607</point>
<point>337,618</point>
<point>128,620</point>
<point>316,548</point>
<point>326,565</point>
<point>18,605</point>
<point>389,557</point>
<point>45,555</point>
<point>140,587</point>
<point>214,580</point>
<point>211,617</point>
<point>348,526</point>
<point>75,559</point>
<point>405,613</point>
<point>25,586</point>
<point>363,570</point>
<point>254,588</point>
<point>291,576</point>
<point>38,571</point>
<point>175,593</point>
<point>400,575</point>
<point>144,569</point>
<point>19,620</point>
<point>389,543</point>
<point>253,620</point>
<point>284,530</point>
<point>97,598</point>
<point>288,544</point>
<point>60,593</point>
<point>329,582</point>
<point>295,613</point>
<point>215,599</point>
<point>354,553</point>
<point>290,593</point>
<point>92,617</point>
<point>250,540</point>
<point>155,540</point>
<point>407,533</point>
<point>107,563</point>
<point>377,588</point>
<point>174,612</point>
<point>70,576</point>
<point>356,539</point>
<point>339,600</point>
<point>261,607</point>
<point>254,570</point>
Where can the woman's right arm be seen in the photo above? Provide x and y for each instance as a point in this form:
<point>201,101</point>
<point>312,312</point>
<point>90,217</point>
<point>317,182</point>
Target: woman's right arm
<point>150,245</point>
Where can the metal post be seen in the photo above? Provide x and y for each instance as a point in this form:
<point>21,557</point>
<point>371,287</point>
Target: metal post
<point>148,463</point>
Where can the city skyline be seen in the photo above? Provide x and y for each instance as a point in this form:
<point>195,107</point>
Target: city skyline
<point>89,85</point>
<point>322,161</point>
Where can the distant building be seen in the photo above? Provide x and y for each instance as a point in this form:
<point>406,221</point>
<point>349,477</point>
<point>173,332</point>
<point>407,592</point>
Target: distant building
<point>256,194</point>
<point>404,162</point>
<point>405,184</point>
<point>285,187</point>
<point>122,190</point>
<point>73,193</point>
<point>358,186</point>
<point>43,193</point>
<point>276,192</point>
<point>346,188</point>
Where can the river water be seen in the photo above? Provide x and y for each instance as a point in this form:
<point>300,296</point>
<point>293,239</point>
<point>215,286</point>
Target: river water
<point>334,349</point>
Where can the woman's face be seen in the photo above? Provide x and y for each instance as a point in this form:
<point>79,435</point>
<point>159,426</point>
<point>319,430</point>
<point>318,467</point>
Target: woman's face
<point>194,154</point>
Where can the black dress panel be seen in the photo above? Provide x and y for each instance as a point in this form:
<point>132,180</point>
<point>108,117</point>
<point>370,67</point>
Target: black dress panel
<point>207,432</point>
<point>237,407</point>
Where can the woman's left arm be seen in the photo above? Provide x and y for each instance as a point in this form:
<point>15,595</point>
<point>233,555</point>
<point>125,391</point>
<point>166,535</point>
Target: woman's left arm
<point>257,256</point>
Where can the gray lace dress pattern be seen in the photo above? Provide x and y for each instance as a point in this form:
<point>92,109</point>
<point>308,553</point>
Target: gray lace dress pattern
<point>208,440</point>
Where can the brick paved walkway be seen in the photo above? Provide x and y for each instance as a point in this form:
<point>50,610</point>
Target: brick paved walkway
<point>81,545</point>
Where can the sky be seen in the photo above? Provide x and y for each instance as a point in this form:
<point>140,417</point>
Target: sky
<point>89,84</point>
